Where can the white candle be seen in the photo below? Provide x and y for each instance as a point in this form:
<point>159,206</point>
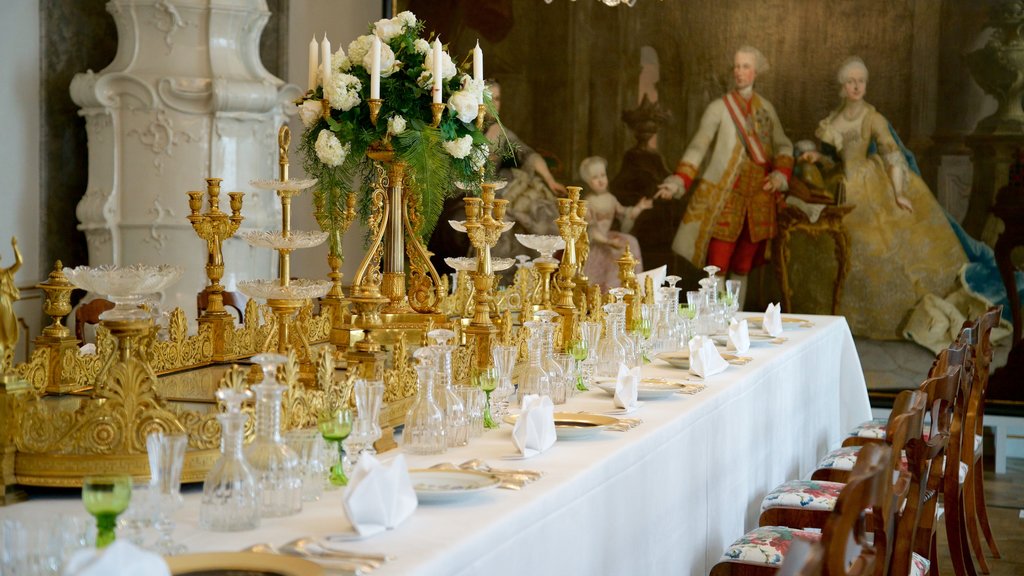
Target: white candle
<point>325,60</point>
<point>313,63</point>
<point>375,69</point>
<point>478,68</point>
<point>437,71</point>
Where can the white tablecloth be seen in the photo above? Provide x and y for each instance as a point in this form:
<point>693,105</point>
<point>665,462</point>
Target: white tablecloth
<point>663,498</point>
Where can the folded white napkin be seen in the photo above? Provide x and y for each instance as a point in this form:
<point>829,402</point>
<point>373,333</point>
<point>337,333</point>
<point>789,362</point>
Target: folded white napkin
<point>773,320</point>
<point>121,558</point>
<point>87,349</point>
<point>739,336</point>
<point>626,387</point>
<point>379,496</point>
<point>704,358</point>
<point>534,431</point>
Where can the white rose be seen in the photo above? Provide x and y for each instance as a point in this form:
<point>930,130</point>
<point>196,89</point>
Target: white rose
<point>407,18</point>
<point>459,148</point>
<point>448,69</point>
<point>329,149</point>
<point>464,105</point>
<point>343,92</point>
<point>421,46</point>
<point>447,66</point>
<point>360,47</point>
<point>396,125</point>
<point>472,86</point>
<point>388,64</point>
<point>310,112</point>
<point>387,29</point>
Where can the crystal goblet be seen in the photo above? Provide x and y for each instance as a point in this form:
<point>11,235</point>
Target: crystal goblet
<point>335,426</point>
<point>487,380</point>
<point>105,497</point>
<point>578,350</point>
<point>166,460</point>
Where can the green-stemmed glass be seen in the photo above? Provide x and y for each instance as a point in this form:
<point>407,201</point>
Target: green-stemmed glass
<point>105,497</point>
<point>335,426</point>
<point>487,380</point>
<point>579,352</point>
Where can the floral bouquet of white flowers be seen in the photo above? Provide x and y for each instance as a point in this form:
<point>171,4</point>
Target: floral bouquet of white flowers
<point>334,144</point>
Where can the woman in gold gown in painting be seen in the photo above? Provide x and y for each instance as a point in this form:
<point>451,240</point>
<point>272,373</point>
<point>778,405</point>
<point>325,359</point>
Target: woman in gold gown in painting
<point>901,245</point>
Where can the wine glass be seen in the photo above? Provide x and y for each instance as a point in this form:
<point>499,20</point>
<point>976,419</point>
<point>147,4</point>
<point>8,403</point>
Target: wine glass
<point>578,350</point>
<point>105,497</point>
<point>487,380</point>
<point>335,426</point>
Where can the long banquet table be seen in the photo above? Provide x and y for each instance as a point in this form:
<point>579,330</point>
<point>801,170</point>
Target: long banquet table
<point>663,498</point>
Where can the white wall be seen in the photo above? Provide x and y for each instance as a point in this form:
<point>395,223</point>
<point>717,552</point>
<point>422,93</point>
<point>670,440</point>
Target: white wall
<point>343,21</point>
<point>20,206</point>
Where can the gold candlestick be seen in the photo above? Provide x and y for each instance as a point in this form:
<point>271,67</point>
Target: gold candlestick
<point>484,226</point>
<point>481,113</point>
<point>436,108</point>
<point>335,298</point>
<point>570,226</point>
<point>214,226</point>
<point>374,104</point>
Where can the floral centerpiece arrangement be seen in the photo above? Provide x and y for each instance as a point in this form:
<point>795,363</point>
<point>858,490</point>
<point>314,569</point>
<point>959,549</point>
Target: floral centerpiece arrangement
<point>340,128</point>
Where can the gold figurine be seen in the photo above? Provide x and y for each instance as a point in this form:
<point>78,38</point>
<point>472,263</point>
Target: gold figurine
<point>8,320</point>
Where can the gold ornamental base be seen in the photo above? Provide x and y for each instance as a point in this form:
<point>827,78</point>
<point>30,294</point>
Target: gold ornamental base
<point>68,470</point>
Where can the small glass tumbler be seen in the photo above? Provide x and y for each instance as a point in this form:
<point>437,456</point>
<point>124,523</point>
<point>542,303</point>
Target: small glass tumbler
<point>306,444</point>
<point>473,400</point>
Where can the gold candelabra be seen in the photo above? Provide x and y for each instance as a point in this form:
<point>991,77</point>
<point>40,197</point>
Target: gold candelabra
<point>571,223</point>
<point>214,226</point>
<point>484,225</point>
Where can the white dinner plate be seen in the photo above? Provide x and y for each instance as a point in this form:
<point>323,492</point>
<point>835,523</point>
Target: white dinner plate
<point>569,426</point>
<point>433,485</point>
<point>646,390</point>
<point>681,358</point>
<point>757,338</point>
<point>788,323</point>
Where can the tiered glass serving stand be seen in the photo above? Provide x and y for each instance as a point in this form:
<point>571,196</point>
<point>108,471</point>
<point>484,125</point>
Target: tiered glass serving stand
<point>285,296</point>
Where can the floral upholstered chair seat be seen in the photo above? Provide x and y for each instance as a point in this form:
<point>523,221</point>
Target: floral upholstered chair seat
<point>804,494</point>
<point>766,545</point>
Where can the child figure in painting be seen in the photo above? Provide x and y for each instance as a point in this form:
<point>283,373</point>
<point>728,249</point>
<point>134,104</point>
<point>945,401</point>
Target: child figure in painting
<point>607,245</point>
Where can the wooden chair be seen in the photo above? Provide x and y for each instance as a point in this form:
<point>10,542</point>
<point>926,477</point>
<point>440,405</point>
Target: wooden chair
<point>808,503</point>
<point>975,509</point>
<point>836,465</point>
<point>956,469</point>
<point>89,314</point>
<point>232,300</point>
<point>762,551</point>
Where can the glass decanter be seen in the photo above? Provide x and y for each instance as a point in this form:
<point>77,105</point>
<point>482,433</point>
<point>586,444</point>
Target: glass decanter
<point>616,347</point>
<point>536,379</point>
<point>274,464</point>
<point>456,423</point>
<point>424,431</point>
<point>229,491</point>
<point>667,336</point>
